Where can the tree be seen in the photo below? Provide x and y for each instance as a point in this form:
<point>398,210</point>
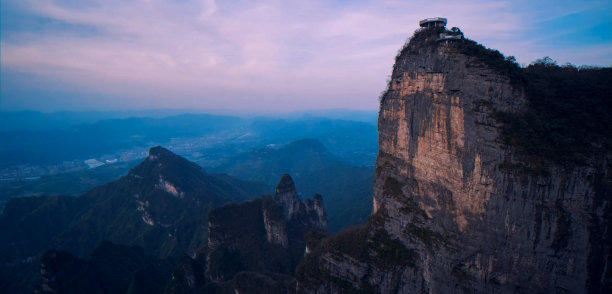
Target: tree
<point>456,31</point>
<point>544,62</point>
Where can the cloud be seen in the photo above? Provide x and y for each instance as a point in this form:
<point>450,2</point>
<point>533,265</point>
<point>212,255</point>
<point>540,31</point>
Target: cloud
<point>257,55</point>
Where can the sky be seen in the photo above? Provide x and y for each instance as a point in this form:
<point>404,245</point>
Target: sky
<point>258,55</point>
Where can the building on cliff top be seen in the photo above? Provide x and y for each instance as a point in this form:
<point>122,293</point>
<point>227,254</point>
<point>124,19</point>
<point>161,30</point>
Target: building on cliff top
<point>440,22</point>
<point>434,22</point>
<point>450,36</point>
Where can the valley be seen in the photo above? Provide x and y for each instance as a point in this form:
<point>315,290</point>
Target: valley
<point>480,176</point>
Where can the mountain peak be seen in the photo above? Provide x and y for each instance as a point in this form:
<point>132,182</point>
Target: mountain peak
<point>285,185</point>
<point>276,226</point>
<point>420,212</point>
<point>162,162</point>
<point>160,153</point>
<point>286,195</point>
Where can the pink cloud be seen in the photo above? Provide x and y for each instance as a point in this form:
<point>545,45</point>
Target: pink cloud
<point>252,54</point>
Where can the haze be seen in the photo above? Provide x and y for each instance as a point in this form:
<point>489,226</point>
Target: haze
<point>257,55</point>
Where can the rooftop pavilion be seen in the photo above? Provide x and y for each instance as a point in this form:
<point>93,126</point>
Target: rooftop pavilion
<point>434,22</point>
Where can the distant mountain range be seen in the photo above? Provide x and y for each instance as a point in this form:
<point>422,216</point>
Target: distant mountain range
<point>197,136</point>
<point>253,247</point>
<point>491,178</point>
<point>69,184</point>
<point>161,205</point>
<point>36,120</point>
<point>315,169</point>
<point>347,189</point>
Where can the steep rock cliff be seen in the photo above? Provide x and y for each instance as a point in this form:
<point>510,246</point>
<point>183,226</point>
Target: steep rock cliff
<point>264,235</point>
<point>161,205</point>
<point>314,170</point>
<point>446,210</point>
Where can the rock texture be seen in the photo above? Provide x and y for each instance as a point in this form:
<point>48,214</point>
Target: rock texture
<point>263,235</point>
<point>455,220</point>
<point>161,205</point>
<point>314,170</point>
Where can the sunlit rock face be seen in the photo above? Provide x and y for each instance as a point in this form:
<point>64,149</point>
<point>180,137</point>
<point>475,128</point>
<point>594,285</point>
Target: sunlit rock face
<point>465,224</point>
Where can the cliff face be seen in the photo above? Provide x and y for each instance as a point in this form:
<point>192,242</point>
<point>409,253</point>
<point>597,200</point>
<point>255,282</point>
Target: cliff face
<point>466,224</point>
<point>265,235</point>
<point>161,205</point>
<point>314,170</point>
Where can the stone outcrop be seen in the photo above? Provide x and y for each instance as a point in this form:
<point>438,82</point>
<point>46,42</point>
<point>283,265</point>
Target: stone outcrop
<point>310,213</point>
<point>161,205</point>
<point>276,228</point>
<point>315,170</point>
<point>445,208</point>
<point>263,235</point>
<point>315,209</point>
<point>287,197</point>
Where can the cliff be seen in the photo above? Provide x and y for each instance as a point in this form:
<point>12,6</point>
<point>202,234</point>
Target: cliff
<point>314,170</point>
<point>262,235</point>
<point>161,205</point>
<point>456,208</point>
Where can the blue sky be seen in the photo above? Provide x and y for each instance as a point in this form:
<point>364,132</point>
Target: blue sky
<point>258,55</point>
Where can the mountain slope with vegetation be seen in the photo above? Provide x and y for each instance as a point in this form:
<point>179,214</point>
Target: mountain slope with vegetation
<point>161,205</point>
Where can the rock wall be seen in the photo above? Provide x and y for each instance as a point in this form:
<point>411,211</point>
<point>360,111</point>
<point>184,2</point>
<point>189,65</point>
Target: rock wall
<point>276,228</point>
<point>439,190</point>
<point>286,196</point>
<point>265,235</point>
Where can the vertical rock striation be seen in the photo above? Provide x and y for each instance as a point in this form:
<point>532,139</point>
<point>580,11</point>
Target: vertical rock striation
<point>265,235</point>
<point>287,197</point>
<point>445,207</point>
